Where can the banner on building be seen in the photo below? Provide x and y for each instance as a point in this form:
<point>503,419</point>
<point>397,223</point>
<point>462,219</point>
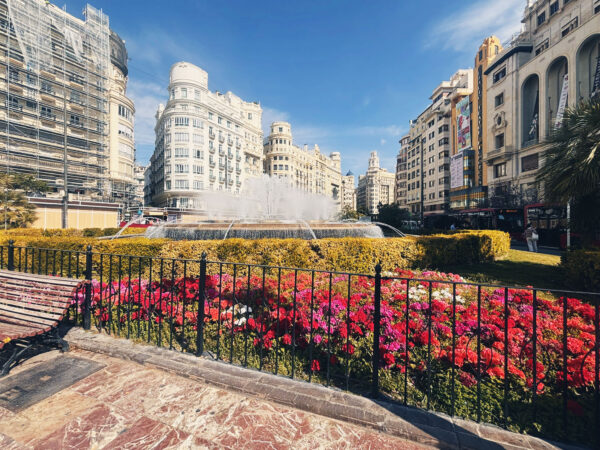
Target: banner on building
<point>463,122</point>
<point>562,103</point>
<point>596,87</point>
<point>456,170</point>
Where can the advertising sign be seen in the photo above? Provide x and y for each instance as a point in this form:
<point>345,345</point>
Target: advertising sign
<point>564,95</point>
<point>456,170</point>
<point>463,124</point>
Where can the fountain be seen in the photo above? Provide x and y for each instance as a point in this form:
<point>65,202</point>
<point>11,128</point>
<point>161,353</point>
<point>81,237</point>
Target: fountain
<point>268,208</point>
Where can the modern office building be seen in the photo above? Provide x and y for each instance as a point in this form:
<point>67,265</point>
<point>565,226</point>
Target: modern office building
<point>468,180</point>
<point>375,188</point>
<point>551,65</point>
<point>62,85</point>
<point>348,191</point>
<point>400,193</point>
<point>205,142</point>
<point>307,169</point>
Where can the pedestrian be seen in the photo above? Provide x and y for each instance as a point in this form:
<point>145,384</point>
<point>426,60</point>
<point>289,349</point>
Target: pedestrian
<point>531,236</point>
<point>452,227</point>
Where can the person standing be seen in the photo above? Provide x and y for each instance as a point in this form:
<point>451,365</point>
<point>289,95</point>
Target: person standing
<point>531,236</point>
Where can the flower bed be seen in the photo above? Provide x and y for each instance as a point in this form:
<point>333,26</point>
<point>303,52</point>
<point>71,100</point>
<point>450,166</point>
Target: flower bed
<point>319,327</point>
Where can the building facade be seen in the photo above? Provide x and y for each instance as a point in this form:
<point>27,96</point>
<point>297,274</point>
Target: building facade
<point>205,142</point>
<point>375,188</point>
<point>400,193</point>
<point>551,65</point>
<point>121,137</point>
<point>468,180</point>
<point>58,86</point>
<point>307,169</point>
<point>348,196</point>
<point>428,154</point>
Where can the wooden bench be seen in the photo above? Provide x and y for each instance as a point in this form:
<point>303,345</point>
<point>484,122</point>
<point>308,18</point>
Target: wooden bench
<point>31,307</point>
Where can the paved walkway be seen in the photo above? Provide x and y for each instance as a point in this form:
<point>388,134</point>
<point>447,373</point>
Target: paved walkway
<point>129,406</point>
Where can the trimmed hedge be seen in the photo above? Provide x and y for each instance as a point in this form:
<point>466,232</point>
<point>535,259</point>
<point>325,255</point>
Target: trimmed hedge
<point>357,255</point>
<point>69,232</point>
<point>582,269</point>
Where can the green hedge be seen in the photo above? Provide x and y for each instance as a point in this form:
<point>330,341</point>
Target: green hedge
<point>357,255</point>
<point>582,269</point>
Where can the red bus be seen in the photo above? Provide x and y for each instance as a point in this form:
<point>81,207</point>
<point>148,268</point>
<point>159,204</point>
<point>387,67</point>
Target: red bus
<point>550,222</point>
<point>504,219</point>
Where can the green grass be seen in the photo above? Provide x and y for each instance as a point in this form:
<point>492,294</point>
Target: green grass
<point>519,268</point>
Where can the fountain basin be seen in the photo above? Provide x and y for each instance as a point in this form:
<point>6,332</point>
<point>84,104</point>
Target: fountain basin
<point>268,229</point>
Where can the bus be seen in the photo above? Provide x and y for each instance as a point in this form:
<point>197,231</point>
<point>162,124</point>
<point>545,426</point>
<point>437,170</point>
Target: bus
<point>509,220</point>
<point>551,223</point>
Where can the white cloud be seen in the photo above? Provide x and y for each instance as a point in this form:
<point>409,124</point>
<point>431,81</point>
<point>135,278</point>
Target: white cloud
<point>146,97</point>
<point>465,29</point>
<point>383,141</point>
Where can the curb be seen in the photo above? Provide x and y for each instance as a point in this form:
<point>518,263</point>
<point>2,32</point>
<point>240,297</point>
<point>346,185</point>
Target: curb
<point>427,428</point>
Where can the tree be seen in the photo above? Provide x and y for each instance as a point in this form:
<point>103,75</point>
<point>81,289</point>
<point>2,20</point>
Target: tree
<point>349,214</point>
<point>16,210</point>
<point>571,170</point>
<point>392,215</point>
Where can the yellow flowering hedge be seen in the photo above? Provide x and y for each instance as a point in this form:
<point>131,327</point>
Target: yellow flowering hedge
<point>357,255</point>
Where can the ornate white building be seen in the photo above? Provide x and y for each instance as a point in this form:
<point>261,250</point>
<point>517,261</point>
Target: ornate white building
<point>348,191</point>
<point>375,187</point>
<point>309,170</point>
<point>205,141</point>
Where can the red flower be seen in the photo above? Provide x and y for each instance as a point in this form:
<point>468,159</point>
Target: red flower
<point>315,366</point>
<point>287,339</point>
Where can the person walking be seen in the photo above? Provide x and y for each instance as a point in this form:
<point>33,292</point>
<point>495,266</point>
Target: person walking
<point>531,236</point>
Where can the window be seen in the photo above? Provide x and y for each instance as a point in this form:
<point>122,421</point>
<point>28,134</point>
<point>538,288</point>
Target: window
<point>125,150</point>
<point>197,138</point>
<point>570,27</point>
<point>125,112</point>
<point>181,184</point>
<point>480,55</point>
<point>198,185</point>
<point>543,46</point>
<point>199,170</point>
<point>183,93</point>
<point>499,75</point>
<point>443,128</point>
<point>182,168</point>
<point>553,8</point>
<point>444,141</point>
<point>597,9</point>
<point>210,115</point>
<point>46,112</point>
<point>182,137</point>
<point>197,123</point>
<point>249,116</point>
<point>124,130</point>
<point>75,120</point>
<point>499,99</point>
<point>499,141</point>
<point>182,121</point>
<point>541,18</point>
<point>219,120</point>
<point>529,163</point>
<point>46,87</point>
<point>181,152</point>
<point>196,94</point>
<point>500,170</point>
<point>198,154</point>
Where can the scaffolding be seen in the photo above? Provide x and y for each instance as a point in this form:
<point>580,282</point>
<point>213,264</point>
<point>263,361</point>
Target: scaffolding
<point>55,85</point>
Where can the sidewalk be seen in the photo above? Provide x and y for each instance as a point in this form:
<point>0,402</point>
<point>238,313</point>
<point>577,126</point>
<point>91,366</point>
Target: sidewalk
<point>126,405</point>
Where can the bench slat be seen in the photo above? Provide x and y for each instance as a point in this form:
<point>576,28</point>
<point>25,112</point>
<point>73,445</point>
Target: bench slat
<point>55,280</point>
<point>49,306</point>
<point>22,309</point>
<point>25,296</point>
<point>6,320</point>
<point>36,286</point>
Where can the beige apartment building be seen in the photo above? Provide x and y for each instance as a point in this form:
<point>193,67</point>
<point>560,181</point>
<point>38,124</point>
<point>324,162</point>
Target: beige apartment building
<point>348,196</point>
<point>549,66</point>
<point>400,193</point>
<point>375,187</point>
<point>205,142</point>
<point>307,169</point>
<point>61,84</point>
<point>428,154</point>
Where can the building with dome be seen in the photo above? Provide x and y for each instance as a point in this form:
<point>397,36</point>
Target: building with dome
<point>375,188</point>
<point>348,196</point>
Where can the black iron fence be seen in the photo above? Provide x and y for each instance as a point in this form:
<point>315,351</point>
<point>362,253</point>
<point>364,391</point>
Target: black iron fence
<point>526,359</point>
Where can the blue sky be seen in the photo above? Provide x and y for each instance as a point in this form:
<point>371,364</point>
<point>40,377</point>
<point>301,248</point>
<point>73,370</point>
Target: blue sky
<point>347,74</point>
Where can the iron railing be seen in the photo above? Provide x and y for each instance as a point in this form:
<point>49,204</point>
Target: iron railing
<point>512,356</point>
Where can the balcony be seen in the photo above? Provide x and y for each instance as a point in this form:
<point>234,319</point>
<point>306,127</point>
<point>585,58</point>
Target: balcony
<point>212,178</point>
<point>230,182</point>
<point>211,135</point>
<point>221,166</point>
<point>530,143</point>
<point>230,155</point>
<point>230,142</point>
<point>211,149</point>
<point>238,144</point>
<point>211,163</point>
<point>221,180</point>
<point>238,158</point>
<point>238,183</point>
<point>238,170</point>
<point>229,169</point>
<point>221,138</point>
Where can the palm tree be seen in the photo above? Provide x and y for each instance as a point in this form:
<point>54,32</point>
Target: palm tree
<point>572,160</point>
<point>15,208</point>
<point>571,170</point>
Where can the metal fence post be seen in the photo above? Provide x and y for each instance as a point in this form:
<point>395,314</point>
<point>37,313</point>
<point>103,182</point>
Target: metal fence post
<point>87,307</point>
<point>376,331</point>
<point>201,297</point>
<point>11,255</point>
